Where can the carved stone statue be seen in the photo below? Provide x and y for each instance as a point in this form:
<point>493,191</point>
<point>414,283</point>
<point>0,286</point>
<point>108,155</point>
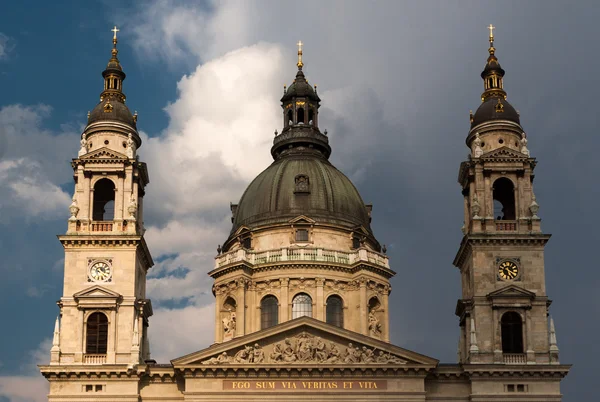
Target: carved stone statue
<point>306,348</point>
<point>374,325</point>
<point>534,208</point>
<point>130,146</point>
<point>289,354</point>
<point>259,354</point>
<point>73,209</point>
<point>477,150</point>
<point>83,149</point>
<point>524,149</point>
<point>229,325</point>
<point>244,355</point>
<point>475,207</point>
<point>132,208</point>
<point>277,353</point>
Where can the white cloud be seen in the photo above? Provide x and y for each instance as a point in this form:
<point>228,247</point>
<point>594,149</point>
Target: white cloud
<point>194,331</point>
<point>31,386</point>
<point>29,174</point>
<point>5,46</point>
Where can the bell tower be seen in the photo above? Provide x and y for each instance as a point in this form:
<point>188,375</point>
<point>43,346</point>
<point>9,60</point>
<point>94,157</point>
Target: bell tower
<point>503,310</point>
<point>103,310</point>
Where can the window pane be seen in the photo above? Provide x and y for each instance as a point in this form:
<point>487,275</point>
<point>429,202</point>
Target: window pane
<point>302,306</point>
<point>269,312</point>
<point>301,235</point>
<point>335,312</point>
<point>97,334</point>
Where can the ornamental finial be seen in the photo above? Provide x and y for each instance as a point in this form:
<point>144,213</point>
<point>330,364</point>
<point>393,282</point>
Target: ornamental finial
<point>300,64</point>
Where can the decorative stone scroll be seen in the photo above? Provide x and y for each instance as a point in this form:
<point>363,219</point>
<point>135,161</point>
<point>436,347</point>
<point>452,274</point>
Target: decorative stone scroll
<point>306,348</point>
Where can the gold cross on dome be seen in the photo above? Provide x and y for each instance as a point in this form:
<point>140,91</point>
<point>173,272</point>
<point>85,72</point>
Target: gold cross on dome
<point>115,30</point>
<point>491,28</point>
<point>300,64</point>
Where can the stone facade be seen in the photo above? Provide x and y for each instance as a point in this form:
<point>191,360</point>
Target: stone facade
<point>301,285</point>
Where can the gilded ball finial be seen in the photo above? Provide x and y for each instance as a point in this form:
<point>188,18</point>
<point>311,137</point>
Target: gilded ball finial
<point>300,64</point>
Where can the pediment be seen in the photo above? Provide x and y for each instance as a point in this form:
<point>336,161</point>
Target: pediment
<point>503,153</point>
<point>96,292</point>
<point>362,230</point>
<point>302,219</point>
<point>103,153</point>
<point>304,341</point>
<point>511,291</point>
<point>241,230</point>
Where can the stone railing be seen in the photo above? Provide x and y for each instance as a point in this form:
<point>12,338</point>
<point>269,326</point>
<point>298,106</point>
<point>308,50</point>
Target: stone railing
<point>514,358</point>
<point>506,226</point>
<point>101,226</point>
<point>94,359</point>
<point>301,254</point>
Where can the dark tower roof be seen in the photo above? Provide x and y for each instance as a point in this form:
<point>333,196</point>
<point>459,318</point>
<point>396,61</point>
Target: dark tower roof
<point>112,99</point>
<point>494,105</point>
<point>301,180</point>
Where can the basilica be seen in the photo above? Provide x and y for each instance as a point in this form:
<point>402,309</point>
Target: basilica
<point>301,284</point>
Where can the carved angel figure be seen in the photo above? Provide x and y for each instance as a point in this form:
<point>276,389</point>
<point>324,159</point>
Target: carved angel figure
<point>277,353</point>
<point>349,356</point>
<point>334,354</point>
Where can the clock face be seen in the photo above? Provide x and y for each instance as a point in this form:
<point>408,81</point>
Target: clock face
<point>508,270</point>
<point>100,271</point>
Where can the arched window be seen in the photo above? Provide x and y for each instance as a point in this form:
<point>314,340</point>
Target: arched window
<point>290,118</point>
<point>512,333</point>
<point>269,312</point>
<point>300,116</point>
<point>504,199</point>
<point>104,200</point>
<point>335,311</point>
<point>96,334</point>
<point>301,306</point>
<point>311,116</point>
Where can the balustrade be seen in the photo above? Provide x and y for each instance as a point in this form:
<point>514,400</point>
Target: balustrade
<point>506,226</point>
<point>514,358</point>
<point>101,226</point>
<point>301,254</point>
<point>94,359</point>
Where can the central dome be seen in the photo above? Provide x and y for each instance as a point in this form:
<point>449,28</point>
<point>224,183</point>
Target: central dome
<point>301,184</point>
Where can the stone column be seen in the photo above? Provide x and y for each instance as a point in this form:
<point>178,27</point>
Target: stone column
<point>320,313</point>
<point>284,301</point>
<point>241,307</point>
<point>363,306</point>
<point>497,340</point>
<point>81,331</point>
<point>218,302</point>
<point>529,332</point>
<point>386,314</point>
<point>112,338</point>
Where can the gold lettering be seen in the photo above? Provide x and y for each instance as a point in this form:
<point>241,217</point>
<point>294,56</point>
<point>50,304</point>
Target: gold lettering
<point>347,385</point>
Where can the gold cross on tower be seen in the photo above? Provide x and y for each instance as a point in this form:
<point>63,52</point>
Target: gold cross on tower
<point>115,30</point>
<point>300,64</point>
<point>491,28</point>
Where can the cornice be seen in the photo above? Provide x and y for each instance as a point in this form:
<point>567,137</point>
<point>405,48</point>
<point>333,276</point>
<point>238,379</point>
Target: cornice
<point>86,372</point>
<point>497,239</point>
<point>249,269</point>
<point>303,371</point>
<point>529,371</point>
<point>101,241</point>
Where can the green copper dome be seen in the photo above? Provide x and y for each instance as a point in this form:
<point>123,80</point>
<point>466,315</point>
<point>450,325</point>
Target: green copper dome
<point>301,184</point>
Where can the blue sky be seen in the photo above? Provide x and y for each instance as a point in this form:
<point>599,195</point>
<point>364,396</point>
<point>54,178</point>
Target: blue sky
<point>397,81</point>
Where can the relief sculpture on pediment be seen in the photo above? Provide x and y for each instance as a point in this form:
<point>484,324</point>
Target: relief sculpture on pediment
<point>306,348</point>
